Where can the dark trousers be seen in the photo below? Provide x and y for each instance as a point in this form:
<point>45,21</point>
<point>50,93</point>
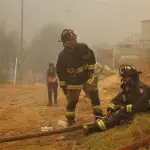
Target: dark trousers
<point>96,85</point>
<point>52,88</point>
<point>96,81</point>
<point>73,97</point>
<point>119,117</point>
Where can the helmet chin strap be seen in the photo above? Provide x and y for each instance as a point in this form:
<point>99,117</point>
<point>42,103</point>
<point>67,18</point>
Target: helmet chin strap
<point>71,44</point>
<point>132,82</point>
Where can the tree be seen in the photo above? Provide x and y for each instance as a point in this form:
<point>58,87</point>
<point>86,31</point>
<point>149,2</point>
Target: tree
<point>44,48</point>
<point>8,48</point>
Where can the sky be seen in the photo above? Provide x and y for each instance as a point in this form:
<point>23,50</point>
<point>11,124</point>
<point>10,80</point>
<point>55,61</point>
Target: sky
<point>94,21</point>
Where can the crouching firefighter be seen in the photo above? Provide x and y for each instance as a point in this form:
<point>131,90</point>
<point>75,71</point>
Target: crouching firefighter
<point>134,98</point>
<point>75,68</point>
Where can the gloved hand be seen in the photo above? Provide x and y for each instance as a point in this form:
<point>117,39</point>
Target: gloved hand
<point>90,80</point>
<point>120,107</point>
<point>90,84</point>
<point>110,113</point>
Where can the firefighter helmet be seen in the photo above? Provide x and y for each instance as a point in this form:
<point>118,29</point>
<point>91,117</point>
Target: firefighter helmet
<point>68,35</point>
<point>128,70</point>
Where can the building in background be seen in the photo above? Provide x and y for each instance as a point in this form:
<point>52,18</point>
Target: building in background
<point>130,50</point>
<point>145,35</point>
<point>134,47</point>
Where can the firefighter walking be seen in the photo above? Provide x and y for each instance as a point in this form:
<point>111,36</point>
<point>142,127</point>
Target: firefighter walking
<point>134,98</point>
<point>75,68</point>
<point>52,83</point>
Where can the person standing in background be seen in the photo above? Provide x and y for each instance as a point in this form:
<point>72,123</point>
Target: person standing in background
<point>97,71</point>
<point>52,83</point>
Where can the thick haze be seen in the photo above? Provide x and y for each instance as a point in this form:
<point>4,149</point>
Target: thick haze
<point>94,20</point>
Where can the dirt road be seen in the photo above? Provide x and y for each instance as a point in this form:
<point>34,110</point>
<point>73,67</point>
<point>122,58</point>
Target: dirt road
<point>23,110</point>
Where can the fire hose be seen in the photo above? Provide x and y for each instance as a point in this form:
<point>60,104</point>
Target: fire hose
<point>39,134</point>
<point>136,145</point>
<point>133,146</point>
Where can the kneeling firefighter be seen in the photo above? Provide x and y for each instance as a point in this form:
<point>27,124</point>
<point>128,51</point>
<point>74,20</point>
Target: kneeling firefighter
<point>75,68</point>
<point>134,98</point>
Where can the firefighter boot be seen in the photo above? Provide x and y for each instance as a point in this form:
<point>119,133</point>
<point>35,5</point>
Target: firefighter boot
<point>98,113</point>
<point>70,121</point>
<point>90,128</point>
<point>98,126</point>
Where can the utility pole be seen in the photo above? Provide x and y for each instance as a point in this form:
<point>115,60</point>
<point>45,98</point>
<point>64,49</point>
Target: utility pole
<point>21,40</point>
<point>22,20</point>
<point>114,54</point>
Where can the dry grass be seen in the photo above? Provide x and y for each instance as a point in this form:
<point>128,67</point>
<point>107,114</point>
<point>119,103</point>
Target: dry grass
<point>118,136</point>
<point>121,135</point>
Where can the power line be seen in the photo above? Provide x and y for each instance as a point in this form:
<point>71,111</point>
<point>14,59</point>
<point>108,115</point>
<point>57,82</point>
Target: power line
<point>110,2</point>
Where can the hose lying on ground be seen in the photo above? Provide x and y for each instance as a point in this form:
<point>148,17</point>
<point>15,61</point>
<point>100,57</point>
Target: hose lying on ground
<point>39,134</point>
<point>136,145</point>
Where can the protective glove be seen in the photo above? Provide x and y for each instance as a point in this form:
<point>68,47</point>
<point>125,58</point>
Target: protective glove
<point>110,112</point>
<point>90,80</point>
<point>120,107</point>
<point>90,84</point>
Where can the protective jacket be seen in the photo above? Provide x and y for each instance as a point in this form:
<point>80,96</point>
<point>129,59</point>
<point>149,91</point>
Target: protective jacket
<point>135,99</point>
<point>75,66</point>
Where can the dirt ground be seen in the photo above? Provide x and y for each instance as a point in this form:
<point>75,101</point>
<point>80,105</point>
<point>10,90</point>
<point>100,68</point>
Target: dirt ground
<point>23,109</point>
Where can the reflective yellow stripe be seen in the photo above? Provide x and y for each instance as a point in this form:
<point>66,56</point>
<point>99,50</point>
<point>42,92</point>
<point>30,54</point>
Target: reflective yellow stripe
<point>111,105</point>
<point>62,82</point>
<point>85,127</point>
<point>96,107</point>
<point>75,87</point>
<point>69,113</point>
<point>102,125</point>
<point>85,67</point>
<point>90,80</point>
<point>91,67</point>
<point>129,108</point>
<point>79,70</point>
<point>74,71</point>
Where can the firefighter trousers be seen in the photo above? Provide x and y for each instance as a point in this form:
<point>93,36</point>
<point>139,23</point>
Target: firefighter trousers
<point>52,88</point>
<point>118,118</point>
<point>73,97</point>
<point>95,84</point>
<point>96,81</point>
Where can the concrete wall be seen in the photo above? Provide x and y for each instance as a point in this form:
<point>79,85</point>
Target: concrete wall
<point>145,35</point>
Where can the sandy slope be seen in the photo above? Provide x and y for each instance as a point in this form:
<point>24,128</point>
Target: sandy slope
<point>23,110</point>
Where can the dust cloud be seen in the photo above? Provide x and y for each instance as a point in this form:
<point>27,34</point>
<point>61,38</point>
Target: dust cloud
<point>95,21</point>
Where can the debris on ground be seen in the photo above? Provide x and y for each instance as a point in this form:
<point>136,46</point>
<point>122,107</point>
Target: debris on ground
<point>46,129</point>
<point>62,123</point>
